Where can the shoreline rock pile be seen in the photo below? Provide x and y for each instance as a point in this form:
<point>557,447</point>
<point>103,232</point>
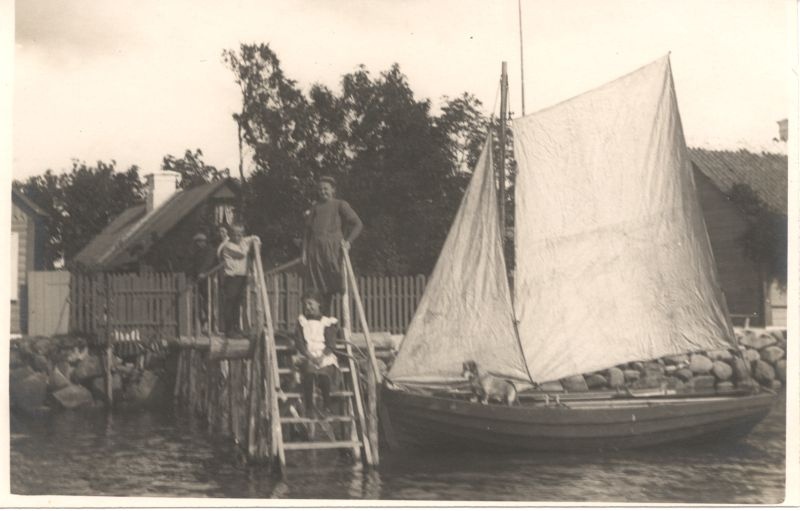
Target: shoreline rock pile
<point>759,360</point>
<point>62,373</point>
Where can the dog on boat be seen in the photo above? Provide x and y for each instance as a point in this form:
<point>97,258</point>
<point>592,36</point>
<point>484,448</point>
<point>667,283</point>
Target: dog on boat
<point>486,387</point>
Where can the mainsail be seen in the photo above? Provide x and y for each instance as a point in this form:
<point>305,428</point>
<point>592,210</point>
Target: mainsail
<point>466,312</point>
<point>613,258</point>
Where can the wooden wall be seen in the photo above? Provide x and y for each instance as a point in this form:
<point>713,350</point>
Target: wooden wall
<point>740,278</point>
<point>23,224</point>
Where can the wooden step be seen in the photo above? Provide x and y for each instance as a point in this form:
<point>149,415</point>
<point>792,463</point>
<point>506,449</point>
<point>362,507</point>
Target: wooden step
<point>286,370</point>
<point>339,444</point>
<point>339,393</point>
<point>306,420</point>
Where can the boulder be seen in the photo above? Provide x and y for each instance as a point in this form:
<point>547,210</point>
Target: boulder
<point>685,374</point>
<point>670,369</point>
<point>779,336</point>
<point>758,342</point>
<point>142,389</point>
<point>574,383</point>
<point>751,355</point>
<point>65,368</point>
<point>551,386</point>
<point>74,396</point>
<point>747,384</point>
<point>99,385</point>
<point>723,355</point>
<point>746,338</point>
<point>676,360</point>
<point>763,373</point>
<point>57,380</point>
<point>721,370</point>
<point>19,374</point>
<point>700,364</point>
<point>775,385</point>
<point>616,378</point>
<point>596,381</point>
<point>703,382</point>
<point>88,368</point>
<point>780,370</point>
<point>654,367</point>
<point>631,375</point>
<point>40,363</point>
<point>652,380</point>
<point>638,366</point>
<point>725,386</point>
<point>741,369</point>
<point>772,354</point>
<point>675,383</point>
<point>30,392</point>
<point>16,359</point>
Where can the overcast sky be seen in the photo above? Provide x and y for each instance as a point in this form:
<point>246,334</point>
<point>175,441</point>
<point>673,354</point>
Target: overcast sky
<point>136,80</point>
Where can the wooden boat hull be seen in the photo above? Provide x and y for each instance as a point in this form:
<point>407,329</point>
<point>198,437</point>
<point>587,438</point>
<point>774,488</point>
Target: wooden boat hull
<point>618,423</point>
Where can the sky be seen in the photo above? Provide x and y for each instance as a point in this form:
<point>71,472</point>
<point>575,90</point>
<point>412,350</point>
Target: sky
<point>134,81</point>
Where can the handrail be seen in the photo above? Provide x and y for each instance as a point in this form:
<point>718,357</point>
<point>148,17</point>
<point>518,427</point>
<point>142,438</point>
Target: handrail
<point>348,268</point>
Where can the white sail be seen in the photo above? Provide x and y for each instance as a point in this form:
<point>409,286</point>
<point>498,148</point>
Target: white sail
<point>465,313</point>
<point>613,259</point>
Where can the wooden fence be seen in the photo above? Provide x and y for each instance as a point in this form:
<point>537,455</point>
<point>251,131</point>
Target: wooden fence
<point>147,307</point>
<point>127,308</point>
<point>389,302</point>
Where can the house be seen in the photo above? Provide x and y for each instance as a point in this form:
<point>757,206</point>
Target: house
<point>157,234</point>
<point>747,291</point>
<point>28,237</point>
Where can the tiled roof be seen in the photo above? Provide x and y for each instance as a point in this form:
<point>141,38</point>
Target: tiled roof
<point>765,173</point>
<point>132,228</point>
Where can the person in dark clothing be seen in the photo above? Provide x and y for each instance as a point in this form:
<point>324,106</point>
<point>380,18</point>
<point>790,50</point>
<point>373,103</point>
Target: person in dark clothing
<point>203,259</point>
<point>233,254</point>
<point>331,226</point>
<point>315,340</point>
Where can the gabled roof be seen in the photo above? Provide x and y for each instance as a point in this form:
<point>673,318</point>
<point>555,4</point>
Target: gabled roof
<point>134,231</point>
<point>765,173</point>
<point>27,203</point>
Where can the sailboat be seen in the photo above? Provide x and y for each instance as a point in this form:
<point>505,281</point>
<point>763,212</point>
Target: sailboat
<point>613,265</point>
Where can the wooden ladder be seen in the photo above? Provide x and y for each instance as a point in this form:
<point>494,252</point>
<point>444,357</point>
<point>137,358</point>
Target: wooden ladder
<point>345,430</point>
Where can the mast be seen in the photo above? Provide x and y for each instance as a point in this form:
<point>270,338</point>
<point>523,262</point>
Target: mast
<point>521,61</point>
<point>502,171</point>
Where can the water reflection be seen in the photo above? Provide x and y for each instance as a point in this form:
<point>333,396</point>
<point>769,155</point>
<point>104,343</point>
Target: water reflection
<point>141,453</point>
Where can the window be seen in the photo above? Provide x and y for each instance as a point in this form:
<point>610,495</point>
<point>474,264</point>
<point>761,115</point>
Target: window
<point>14,266</point>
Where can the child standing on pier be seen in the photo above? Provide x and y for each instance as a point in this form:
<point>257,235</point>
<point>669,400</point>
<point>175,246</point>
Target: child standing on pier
<point>233,253</point>
<point>315,341</point>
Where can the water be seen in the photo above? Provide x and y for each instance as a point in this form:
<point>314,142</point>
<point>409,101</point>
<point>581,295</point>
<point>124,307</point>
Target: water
<point>169,454</point>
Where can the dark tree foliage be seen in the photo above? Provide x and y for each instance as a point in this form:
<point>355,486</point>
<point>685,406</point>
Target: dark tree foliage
<point>193,169</point>
<point>81,203</point>
<point>765,240</point>
<point>402,167</point>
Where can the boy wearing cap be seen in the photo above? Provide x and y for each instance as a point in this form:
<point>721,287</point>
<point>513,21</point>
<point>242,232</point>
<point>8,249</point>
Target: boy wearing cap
<point>331,224</point>
<point>315,340</point>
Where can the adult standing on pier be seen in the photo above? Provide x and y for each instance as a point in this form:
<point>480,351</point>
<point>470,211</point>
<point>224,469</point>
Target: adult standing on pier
<point>233,253</point>
<point>324,238</point>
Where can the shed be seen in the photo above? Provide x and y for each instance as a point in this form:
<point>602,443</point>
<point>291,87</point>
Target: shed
<point>156,235</point>
<point>747,290</point>
<point>28,237</point>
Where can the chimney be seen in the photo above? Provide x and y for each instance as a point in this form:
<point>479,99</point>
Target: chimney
<point>161,186</point>
<point>783,130</point>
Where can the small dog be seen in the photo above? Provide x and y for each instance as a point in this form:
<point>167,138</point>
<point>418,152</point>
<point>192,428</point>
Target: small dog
<point>486,386</point>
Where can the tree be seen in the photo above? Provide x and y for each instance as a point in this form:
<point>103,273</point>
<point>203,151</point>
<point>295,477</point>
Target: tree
<point>402,168</point>
<point>81,203</point>
<point>192,169</point>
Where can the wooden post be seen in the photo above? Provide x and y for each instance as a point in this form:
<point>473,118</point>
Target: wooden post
<point>252,394</point>
<point>109,345</point>
<point>348,269</point>
<point>346,326</point>
<point>502,178</point>
<point>372,415</point>
<point>269,357</point>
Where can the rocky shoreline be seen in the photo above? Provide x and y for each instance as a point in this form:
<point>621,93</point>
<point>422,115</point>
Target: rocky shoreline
<point>48,374</point>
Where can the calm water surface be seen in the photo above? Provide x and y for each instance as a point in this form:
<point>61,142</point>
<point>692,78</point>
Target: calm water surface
<point>169,454</point>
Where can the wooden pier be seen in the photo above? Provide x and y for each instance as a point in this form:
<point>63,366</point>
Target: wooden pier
<point>247,388</point>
